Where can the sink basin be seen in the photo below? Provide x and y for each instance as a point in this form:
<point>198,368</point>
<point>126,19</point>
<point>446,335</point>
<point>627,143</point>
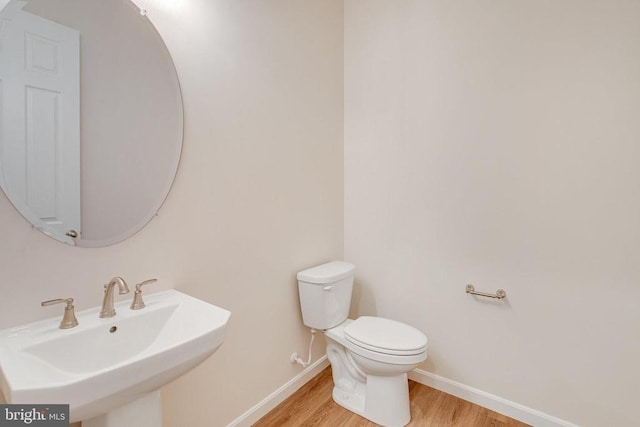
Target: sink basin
<point>103,364</point>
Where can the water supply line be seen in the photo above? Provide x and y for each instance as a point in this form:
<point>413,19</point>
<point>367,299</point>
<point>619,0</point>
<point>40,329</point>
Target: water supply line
<point>294,357</point>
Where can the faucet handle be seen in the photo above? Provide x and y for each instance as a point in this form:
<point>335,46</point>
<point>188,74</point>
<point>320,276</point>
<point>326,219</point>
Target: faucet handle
<point>137,302</point>
<point>146,282</point>
<point>69,318</point>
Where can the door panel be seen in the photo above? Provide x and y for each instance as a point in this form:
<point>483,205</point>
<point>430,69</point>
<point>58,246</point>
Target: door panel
<point>40,147</point>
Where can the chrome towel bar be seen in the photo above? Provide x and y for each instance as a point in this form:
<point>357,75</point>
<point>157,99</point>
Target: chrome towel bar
<point>500,293</point>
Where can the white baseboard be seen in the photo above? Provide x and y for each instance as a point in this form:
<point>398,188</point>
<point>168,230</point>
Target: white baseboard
<point>489,401</point>
<point>275,398</point>
<point>470,394</point>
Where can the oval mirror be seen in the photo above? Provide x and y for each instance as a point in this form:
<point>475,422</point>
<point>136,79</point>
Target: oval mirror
<point>91,122</point>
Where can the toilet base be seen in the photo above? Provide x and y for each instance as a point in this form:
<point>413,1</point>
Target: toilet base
<point>383,400</point>
<point>354,402</point>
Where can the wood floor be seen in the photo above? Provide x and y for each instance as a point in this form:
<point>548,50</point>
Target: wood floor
<point>312,405</point>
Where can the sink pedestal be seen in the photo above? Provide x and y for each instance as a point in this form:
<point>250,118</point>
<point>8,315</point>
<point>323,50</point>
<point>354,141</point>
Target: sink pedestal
<point>145,411</point>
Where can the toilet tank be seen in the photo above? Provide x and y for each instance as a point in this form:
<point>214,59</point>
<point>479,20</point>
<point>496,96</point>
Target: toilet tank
<point>325,294</point>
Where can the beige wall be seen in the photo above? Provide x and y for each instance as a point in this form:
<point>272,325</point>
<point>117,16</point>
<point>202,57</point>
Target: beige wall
<point>258,196</point>
<point>497,143</point>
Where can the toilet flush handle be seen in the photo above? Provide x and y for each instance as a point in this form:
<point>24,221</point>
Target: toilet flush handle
<point>327,288</point>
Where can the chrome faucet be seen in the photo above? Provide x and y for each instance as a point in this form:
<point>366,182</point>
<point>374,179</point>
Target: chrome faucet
<point>107,303</point>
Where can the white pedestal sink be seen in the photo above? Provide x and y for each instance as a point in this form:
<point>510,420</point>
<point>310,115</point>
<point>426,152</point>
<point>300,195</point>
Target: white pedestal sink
<point>110,370</point>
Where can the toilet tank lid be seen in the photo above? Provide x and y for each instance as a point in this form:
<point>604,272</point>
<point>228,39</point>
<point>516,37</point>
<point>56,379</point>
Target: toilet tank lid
<point>326,273</point>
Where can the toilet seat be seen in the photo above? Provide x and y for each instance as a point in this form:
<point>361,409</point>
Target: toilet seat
<point>337,334</point>
<point>385,336</point>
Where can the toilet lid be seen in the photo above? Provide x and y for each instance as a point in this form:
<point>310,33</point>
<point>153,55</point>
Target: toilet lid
<point>385,336</point>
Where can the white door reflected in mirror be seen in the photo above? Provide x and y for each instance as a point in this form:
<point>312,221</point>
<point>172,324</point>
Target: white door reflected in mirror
<point>41,119</point>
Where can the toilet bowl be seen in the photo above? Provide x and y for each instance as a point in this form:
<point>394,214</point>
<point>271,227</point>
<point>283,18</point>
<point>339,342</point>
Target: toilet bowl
<point>370,356</point>
<point>372,381</point>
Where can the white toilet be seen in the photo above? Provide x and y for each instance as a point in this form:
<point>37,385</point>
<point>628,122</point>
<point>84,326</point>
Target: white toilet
<point>370,356</point>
